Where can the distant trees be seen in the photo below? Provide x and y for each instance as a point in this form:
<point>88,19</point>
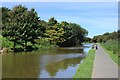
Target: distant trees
<point>23,27</point>
<point>87,39</point>
<point>106,36</point>
<point>110,41</point>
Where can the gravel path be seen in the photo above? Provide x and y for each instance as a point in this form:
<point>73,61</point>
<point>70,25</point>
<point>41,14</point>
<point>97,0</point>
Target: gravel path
<point>104,67</point>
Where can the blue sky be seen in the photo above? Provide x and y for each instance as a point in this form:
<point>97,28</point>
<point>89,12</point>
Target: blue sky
<point>96,17</point>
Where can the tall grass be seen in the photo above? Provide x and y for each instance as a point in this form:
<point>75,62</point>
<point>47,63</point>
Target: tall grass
<point>111,48</point>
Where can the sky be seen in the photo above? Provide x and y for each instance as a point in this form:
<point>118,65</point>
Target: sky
<point>60,0</point>
<point>96,17</point>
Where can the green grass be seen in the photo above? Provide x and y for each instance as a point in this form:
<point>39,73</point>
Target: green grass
<point>85,69</point>
<point>113,55</point>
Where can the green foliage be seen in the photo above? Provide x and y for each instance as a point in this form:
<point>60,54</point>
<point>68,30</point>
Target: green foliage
<point>111,45</point>
<point>73,34</point>
<point>43,43</point>
<point>52,21</point>
<point>26,31</point>
<point>63,34</point>
<point>22,26</point>
<point>54,34</point>
<point>110,42</point>
<point>5,43</point>
<point>112,49</point>
<point>85,69</point>
<point>105,37</point>
<point>87,40</point>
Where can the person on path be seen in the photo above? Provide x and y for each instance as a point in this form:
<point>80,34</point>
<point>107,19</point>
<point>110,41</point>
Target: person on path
<point>92,46</point>
<point>96,47</point>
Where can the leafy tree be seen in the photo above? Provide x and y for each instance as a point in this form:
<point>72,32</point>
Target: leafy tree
<point>54,34</point>
<point>106,37</point>
<point>4,16</point>
<point>52,21</point>
<point>22,26</point>
<point>73,34</point>
<point>87,39</point>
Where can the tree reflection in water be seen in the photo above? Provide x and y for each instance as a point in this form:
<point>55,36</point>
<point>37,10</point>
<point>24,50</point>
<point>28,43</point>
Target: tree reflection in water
<point>53,68</point>
<point>60,62</point>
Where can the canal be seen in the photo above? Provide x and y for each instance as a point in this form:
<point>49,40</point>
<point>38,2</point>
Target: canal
<point>56,63</point>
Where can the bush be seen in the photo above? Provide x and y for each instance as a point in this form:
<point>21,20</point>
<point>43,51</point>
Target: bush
<point>43,43</point>
<point>5,43</point>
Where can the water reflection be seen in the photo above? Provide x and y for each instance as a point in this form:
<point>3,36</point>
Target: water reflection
<point>57,63</point>
<point>53,69</point>
<point>20,66</point>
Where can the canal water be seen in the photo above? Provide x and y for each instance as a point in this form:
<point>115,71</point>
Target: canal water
<point>57,63</point>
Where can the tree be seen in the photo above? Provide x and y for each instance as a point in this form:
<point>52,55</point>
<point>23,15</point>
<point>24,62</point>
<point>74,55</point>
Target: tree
<point>22,27</point>
<point>87,39</point>
<point>73,34</point>
<point>4,16</point>
<point>52,21</point>
<point>95,38</point>
<point>54,34</point>
<point>106,37</point>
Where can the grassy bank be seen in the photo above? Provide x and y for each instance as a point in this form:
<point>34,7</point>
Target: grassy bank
<point>112,50</point>
<point>85,69</point>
